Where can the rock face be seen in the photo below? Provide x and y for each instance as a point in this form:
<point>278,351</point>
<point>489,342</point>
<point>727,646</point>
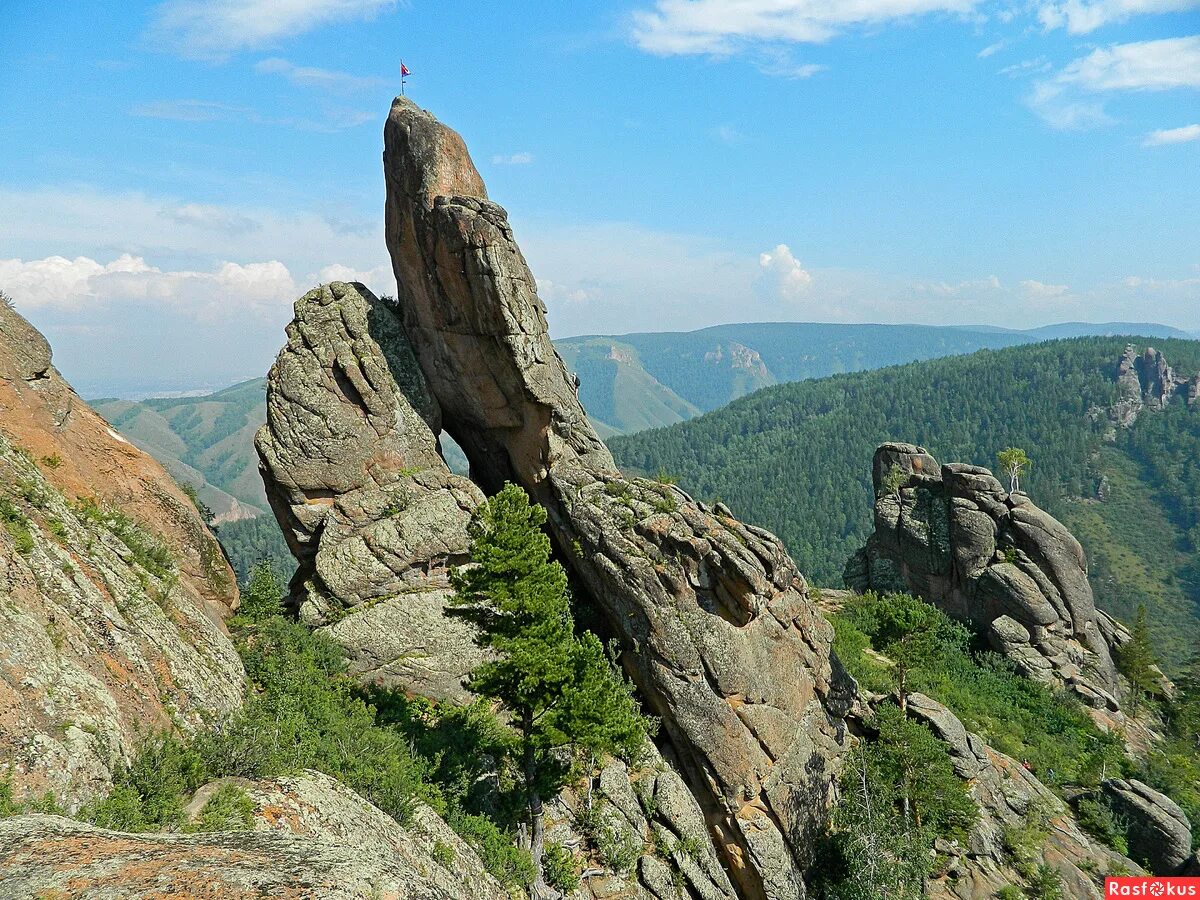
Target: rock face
<point>717,628</point>
<point>373,515</point>
<point>1010,797</point>
<point>955,537</point>
<point>312,838</point>
<point>1147,381</point>
<point>1159,831</point>
<point>113,594</point>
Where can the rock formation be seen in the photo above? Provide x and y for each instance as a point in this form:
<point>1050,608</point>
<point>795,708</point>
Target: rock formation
<point>714,619</point>
<point>372,513</point>
<point>1010,797</point>
<point>1147,381</point>
<point>311,837</point>
<point>113,592</point>
<point>1159,831</point>
<point>952,535</point>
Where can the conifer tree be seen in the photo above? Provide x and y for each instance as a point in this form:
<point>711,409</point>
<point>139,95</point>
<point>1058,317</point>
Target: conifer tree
<point>1136,660</point>
<point>560,688</point>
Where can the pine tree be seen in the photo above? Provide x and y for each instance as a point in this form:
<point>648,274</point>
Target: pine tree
<point>560,688</point>
<point>1136,661</point>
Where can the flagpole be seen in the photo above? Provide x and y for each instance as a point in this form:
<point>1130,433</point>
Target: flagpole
<point>402,77</point>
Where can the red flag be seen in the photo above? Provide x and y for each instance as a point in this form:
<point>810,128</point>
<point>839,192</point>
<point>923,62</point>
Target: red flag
<point>404,70</point>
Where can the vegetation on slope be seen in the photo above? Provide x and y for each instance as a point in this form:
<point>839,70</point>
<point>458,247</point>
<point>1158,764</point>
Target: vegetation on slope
<point>1017,716</point>
<point>796,458</point>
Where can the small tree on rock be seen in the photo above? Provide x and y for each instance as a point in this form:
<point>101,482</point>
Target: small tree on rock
<point>1014,463</point>
<point>560,688</point>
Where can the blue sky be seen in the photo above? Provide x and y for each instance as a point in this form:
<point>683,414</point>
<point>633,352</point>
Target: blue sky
<point>174,174</point>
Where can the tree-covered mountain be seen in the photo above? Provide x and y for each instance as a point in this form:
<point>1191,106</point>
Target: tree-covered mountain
<point>635,381</point>
<point>796,458</point>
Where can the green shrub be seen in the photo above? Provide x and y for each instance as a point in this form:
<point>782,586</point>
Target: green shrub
<point>11,807</point>
<point>443,854</point>
<point>562,872</point>
<point>17,526</point>
<point>1098,819</point>
<point>263,594</point>
<point>508,863</point>
<point>228,809</point>
<point>149,793</point>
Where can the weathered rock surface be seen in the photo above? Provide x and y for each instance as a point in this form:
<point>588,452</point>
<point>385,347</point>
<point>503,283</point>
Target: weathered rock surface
<point>1159,831</point>
<point>647,810</point>
<point>373,515</point>
<point>717,628</point>
<point>1010,797</point>
<point>1147,381</point>
<point>312,839</point>
<point>112,622</point>
<point>954,536</point>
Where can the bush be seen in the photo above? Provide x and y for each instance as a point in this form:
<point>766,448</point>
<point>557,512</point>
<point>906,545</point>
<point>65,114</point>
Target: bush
<point>228,809</point>
<point>560,867</point>
<point>17,526</point>
<point>1098,819</point>
<point>11,807</point>
<point>508,864</point>
<point>149,793</point>
<point>443,854</point>
<point>147,552</point>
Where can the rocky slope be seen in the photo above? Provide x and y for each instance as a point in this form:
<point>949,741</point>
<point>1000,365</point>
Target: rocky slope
<point>309,837</point>
<point>717,629</point>
<point>953,535</point>
<point>113,594</point>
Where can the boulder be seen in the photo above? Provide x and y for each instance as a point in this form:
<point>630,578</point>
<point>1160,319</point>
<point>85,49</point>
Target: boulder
<point>371,511</point>
<point>713,618</point>
<point>1159,831</point>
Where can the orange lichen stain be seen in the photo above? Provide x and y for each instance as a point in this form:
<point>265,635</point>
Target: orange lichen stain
<point>273,814</point>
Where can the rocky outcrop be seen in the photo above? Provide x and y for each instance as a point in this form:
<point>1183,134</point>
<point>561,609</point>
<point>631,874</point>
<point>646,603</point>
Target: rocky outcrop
<point>311,839</point>
<point>714,620</point>
<point>638,832</point>
<point>1011,802</point>
<point>952,535</point>
<point>372,513</point>
<point>113,594</point>
<point>1147,381</point>
<point>1159,831</point>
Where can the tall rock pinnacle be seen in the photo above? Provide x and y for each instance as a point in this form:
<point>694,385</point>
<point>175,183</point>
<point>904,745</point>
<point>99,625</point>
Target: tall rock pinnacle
<point>714,620</point>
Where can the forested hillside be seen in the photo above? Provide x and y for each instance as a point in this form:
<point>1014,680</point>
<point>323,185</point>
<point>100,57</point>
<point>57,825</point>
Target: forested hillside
<point>635,381</point>
<point>796,459</point>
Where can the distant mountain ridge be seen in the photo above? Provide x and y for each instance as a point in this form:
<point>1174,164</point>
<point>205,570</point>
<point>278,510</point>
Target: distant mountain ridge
<point>645,380</point>
<point>627,383</point>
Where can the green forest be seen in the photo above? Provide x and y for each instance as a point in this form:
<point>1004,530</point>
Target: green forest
<point>796,458</point>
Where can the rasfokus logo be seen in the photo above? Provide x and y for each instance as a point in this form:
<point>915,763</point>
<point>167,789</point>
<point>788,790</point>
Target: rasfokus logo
<point>1152,887</point>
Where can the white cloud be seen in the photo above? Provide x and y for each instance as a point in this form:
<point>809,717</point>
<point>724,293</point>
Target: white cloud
<point>189,111</point>
<point>523,158</point>
<point>722,27</point>
<point>1172,136</point>
<point>215,218</point>
<point>1039,290</point>
<point>1081,17</point>
<point>1143,65</point>
<point>212,29</point>
<point>73,284</point>
<point>777,62</point>
<point>959,288</point>
<point>307,76</point>
<point>380,279</point>
<point>727,134</point>
<point>992,49</point>
<point>790,278</point>
<point>1065,100</point>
